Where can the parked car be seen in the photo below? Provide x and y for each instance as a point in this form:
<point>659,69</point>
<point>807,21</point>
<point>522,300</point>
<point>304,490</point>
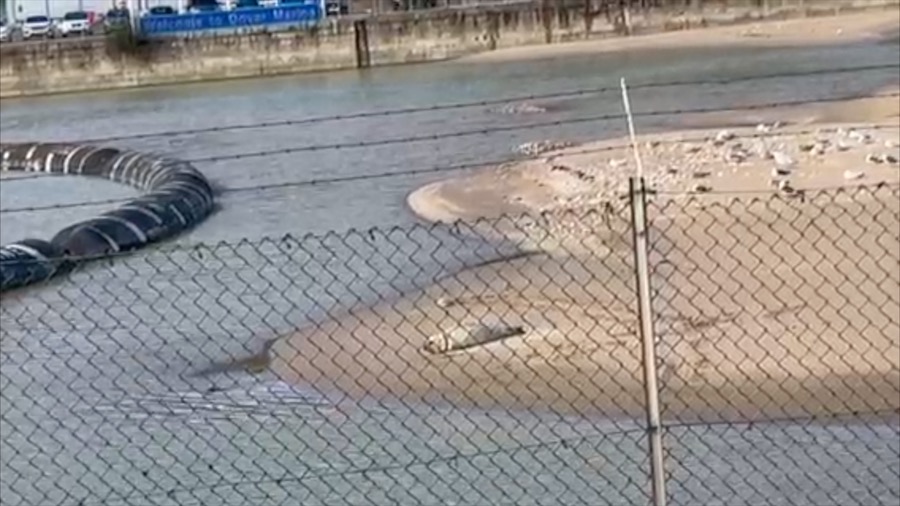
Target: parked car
<point>74,23</point>
<point>116,19</point>
<point>336,9</point>
<point>37,26</point>
<point>5,31</point>
<point>161,10</point>
<point>246,4</point>
<point>203,6</point>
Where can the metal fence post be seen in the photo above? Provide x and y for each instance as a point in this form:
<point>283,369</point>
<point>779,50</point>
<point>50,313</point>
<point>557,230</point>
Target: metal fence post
<point>638,199</point>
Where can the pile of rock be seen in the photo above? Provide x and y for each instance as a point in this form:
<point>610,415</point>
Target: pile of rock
<point>538,147</point>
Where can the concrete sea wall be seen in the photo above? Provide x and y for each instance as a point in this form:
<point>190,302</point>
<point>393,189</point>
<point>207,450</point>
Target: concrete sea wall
<point>95,64</point>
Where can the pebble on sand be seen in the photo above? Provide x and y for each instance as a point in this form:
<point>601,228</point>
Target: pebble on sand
<point>873,158</point>
<point>779,172</point>
<point>785,186</point>
<point>851,175</point>
<point>783,160</point>
<point>862,138</point>
<point>691,148</point>
<point>723,136</point>
<point>539,147</point>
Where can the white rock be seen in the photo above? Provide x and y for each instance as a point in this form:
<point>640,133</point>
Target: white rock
<point>539,147</point>
<point>890,144</point>
<point>724,136</point>
<point>841,146</point>
<point>852,174</point>
<point>736,156</point>
<point>873,158</point>
<point>782,159</point>
<point>860,137</point>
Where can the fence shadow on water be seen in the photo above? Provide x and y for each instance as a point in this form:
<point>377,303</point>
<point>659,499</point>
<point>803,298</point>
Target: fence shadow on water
<point>494,362</point>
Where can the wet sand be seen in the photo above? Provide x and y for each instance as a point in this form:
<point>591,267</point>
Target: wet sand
<point>748,327</point>
<point>774,305</point>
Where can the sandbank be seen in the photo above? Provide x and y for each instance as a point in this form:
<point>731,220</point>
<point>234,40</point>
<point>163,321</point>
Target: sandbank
<point>875,25</point>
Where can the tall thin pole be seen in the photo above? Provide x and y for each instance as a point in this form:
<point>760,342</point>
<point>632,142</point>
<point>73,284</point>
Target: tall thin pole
<point>132,16</point>
<point>648,340</point>
<point>634,148</point>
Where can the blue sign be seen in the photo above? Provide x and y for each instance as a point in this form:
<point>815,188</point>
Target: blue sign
<point>224,20</point>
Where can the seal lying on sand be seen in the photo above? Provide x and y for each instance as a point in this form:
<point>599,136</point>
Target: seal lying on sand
<point>467,336</point>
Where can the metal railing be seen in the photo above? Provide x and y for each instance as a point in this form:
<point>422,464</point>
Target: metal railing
<point>656,350</point>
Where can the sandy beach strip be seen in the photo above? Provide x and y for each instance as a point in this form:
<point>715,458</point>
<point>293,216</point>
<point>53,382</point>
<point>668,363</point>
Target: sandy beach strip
<point>875,25</point>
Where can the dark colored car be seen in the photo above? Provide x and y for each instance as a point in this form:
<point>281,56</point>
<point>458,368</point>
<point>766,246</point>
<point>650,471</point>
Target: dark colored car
<point>203,6</point>
<point>161,10</point>
<point>246,4</point>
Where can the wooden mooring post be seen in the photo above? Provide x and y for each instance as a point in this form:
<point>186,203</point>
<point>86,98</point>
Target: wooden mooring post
<point>361,32</point>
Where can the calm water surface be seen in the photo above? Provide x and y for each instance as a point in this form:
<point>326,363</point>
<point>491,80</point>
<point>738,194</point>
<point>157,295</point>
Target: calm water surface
<point>381,202</point>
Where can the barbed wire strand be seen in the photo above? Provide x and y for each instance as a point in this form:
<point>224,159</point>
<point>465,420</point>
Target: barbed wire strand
<point>485,131</point>
<point>530,126</point>
<point>432,170</point>
<point>562,442</point>
<point>200,247</point>
<point>485,103</point>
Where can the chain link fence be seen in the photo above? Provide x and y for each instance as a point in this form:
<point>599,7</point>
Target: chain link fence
<point>492,362</point>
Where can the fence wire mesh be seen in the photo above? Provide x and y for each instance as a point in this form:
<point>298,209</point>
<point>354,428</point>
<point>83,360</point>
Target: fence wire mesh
<point>491,362</point>
<point>779,347</point>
